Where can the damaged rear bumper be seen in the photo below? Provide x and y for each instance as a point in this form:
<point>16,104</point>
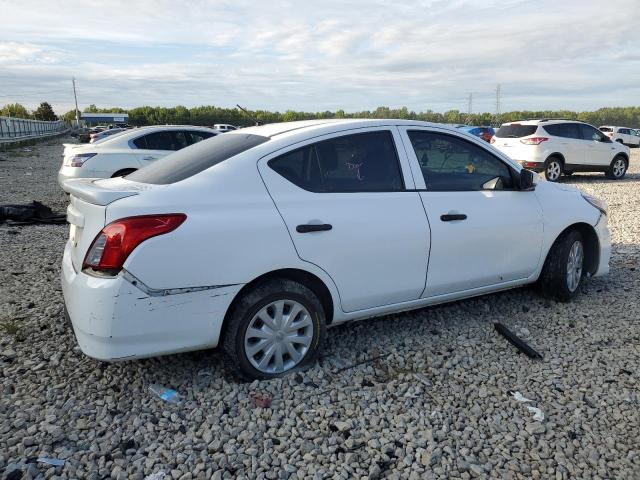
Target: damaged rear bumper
<point>114,319</point>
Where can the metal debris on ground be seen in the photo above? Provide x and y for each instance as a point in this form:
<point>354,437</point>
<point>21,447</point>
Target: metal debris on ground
<point>537,413</point>
<point>516,341</point>
<point>51,461</point>
<point>156,476</point>
<point>164,393</point>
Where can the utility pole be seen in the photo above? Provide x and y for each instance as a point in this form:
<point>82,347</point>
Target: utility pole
<point>73,80</point>
<point>498,104</point>
<point>470,104</point>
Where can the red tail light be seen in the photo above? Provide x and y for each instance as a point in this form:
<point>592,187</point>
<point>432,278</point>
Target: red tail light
<point>117,240</point>
<point>534,140</point>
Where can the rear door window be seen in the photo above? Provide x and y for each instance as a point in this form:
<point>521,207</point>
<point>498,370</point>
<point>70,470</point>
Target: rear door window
<point>155,141</point>
<point>565,130</point>
<point>364,162</point>
<point>198,136</point>
<point>516,130</point>
<point>180,140</point>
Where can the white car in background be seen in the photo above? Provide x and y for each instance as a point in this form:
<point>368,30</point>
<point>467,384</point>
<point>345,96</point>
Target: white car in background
<point>558,147</point>
<point>224,127</point>
<point>127,151</point>
<point>257,240</point>
<point>624,135</point>
<point>96,137</point>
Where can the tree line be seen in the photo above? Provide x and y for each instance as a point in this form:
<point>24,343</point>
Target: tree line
<point>43,112</point>
<point>210,115</point>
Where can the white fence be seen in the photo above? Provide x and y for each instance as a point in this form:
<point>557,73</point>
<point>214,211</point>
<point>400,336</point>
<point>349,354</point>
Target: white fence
<point>15,129</point>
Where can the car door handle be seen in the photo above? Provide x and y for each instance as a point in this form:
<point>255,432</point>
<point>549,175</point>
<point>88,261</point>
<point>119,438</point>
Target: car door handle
<point>450,217</point>
<point>321,227</point>
<point>149,158</point>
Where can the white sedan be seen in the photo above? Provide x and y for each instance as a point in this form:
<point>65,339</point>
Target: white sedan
<point>127,151</point>
<point>257,240</point>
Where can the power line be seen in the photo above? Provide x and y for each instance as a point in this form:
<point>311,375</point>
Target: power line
<point>33,93</point>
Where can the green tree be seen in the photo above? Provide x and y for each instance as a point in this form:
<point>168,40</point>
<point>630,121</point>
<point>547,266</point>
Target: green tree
<point>14,110</point>
<point>45,112</point>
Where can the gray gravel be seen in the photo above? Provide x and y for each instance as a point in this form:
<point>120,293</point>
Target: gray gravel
<point>434,403</point>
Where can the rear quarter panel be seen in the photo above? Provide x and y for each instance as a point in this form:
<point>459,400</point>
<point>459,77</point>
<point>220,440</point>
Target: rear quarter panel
<point>232,235</point>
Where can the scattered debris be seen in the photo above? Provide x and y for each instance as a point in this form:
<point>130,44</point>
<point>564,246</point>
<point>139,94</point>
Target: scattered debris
<point>423,378</point>
<point>51,461</point>
<point>588,401</point>
<point>262,400</point>
<point>156,476</point>
<point>537,413</point>
<point>362,362</point>
<point>164,393</point>
<point>29,214</point>
<point>516,341</point>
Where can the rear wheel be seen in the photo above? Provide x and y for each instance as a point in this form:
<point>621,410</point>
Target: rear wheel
<point>552,169</point>
<point>563,269</point>
<point>123,172</point>
<point>274,329</point>
<point>617,169</point>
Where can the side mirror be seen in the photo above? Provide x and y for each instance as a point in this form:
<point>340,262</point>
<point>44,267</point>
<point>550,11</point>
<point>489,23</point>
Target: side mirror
<point>526,180</point>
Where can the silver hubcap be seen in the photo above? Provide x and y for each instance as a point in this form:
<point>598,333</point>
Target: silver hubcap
<point>574,266</point>
<point>278,336</point>
<point>618,167</point>
<point>553,171</point>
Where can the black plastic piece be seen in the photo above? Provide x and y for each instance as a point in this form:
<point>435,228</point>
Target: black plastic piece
<point>516,341</point>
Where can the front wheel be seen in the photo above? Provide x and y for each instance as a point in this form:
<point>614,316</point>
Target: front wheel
<point>275,328</point>
<point>562,272</point>
<point>552,169</point>
<point>617,169</point>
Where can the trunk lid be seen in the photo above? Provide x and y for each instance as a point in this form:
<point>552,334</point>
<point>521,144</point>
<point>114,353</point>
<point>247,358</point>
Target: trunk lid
<point>87,209</point>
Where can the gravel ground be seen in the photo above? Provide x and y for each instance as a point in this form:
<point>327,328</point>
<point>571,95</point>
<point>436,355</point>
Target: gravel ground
<point>429,400</point>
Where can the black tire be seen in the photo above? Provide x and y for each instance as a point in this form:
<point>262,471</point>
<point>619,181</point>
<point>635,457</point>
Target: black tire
<point>618,168</point>
<point>123,172</point>
<point>553,168</point>
<point>233,340</point>
<point>553,279</point>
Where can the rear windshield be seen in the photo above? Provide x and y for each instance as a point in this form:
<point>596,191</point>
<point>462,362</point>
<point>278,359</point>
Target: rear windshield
<point>606,129</point>
<point>194,159</point>
<point>516,130</point>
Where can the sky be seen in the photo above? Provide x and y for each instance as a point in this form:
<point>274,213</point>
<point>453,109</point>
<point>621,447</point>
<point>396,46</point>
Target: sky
<point>326,55</point>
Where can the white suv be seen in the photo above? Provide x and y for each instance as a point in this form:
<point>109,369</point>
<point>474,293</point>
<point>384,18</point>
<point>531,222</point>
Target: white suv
<point>562,146</point>
<point>627,136</point>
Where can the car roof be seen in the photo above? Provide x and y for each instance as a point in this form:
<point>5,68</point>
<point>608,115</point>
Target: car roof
<point>121,140</point>
<point>546,121</point>
<point>282,129</point>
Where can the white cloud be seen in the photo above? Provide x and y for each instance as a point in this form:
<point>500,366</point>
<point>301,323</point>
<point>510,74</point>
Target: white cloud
<point>326,55</point>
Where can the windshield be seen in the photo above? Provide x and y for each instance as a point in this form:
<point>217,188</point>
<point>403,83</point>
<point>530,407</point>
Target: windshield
<point>194,159</point>
<point>606,129</point>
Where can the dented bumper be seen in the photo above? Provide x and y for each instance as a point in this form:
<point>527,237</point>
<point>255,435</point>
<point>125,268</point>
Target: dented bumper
<point>113,319</point>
